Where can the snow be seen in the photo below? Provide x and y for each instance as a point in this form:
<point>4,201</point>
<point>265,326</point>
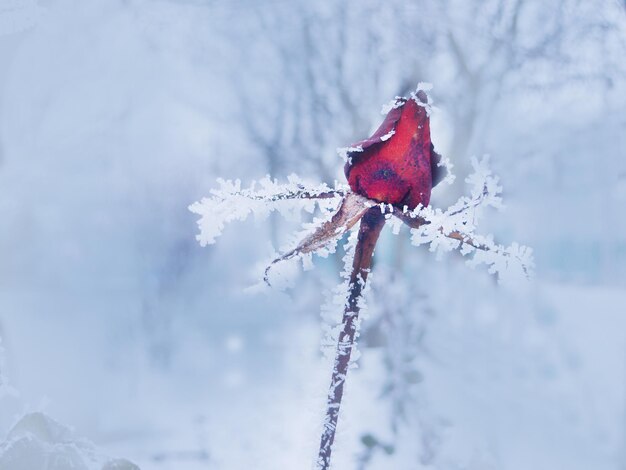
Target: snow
<point>426,88</point>
<point>448,165</point>
<point>343,152</point>
<point>388,135</point>
<point>230,203</point>
<point>395,103</point>
<point>510,263</point>
<point>332,310</point>
<point>36,441</point>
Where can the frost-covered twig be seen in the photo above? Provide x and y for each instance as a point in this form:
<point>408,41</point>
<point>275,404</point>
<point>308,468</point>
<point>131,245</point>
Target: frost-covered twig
<point>230,202</point>
<point>456,227</point>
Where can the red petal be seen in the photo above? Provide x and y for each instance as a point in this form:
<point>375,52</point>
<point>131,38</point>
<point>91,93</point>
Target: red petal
<point>388,125</point>
<point>396,170</point>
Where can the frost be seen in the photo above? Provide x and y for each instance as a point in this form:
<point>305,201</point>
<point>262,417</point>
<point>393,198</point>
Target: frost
<point>343,152</point>
<point>395,103</point>
<point>230,202</point>
<point>395,224</point>
<point>455,228</point>
<point>388,135</point>
<point>448,165</point>
<point>424,88</point>
<point>335,305</point>
<point>443,231</point>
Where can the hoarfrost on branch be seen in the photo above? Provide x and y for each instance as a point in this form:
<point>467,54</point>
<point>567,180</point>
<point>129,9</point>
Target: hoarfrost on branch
<point>442,230</point>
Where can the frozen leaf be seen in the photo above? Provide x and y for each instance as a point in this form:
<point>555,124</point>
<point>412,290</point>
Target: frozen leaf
<point>327,234</point>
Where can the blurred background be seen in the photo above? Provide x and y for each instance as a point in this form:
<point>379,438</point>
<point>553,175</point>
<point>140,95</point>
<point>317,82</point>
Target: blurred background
<point>115,115</point>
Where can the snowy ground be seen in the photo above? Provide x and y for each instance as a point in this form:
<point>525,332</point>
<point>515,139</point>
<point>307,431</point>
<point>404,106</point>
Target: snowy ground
<point>509,395</point>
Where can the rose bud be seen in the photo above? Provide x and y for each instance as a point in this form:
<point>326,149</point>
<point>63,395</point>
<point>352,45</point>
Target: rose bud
<point>397,164</point>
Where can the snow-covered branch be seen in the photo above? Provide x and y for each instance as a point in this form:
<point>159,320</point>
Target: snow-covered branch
<point>455,228</point>
<point>443,230</point>
<point>230,202</point>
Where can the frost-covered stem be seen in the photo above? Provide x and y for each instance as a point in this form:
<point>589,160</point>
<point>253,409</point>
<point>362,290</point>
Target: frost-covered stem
<point>369,230</point>
<point>300,193</point>
<point>417,222</point>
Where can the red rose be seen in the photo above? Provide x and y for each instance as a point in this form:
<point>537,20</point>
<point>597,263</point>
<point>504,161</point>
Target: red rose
<point>397,165</point>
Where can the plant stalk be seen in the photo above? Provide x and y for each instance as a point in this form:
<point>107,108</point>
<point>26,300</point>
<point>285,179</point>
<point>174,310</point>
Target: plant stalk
<point>369,231</point>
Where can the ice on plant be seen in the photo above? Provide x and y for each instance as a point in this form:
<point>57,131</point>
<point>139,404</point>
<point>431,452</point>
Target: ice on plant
<point>455,228</point>
<point>442,230</point>
<point>393,104</point>
<point>388,135</point>
<point>343,152</point>
<point>230,202</point>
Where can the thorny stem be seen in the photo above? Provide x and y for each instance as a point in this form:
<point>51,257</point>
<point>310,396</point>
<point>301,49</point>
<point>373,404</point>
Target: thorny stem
<point>369,230</point>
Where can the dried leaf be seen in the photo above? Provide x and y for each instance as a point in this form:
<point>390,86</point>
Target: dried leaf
<point>352,208</point>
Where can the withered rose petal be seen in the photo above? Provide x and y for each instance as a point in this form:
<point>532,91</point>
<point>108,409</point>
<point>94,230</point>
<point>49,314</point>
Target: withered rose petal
<point>397,162</point>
